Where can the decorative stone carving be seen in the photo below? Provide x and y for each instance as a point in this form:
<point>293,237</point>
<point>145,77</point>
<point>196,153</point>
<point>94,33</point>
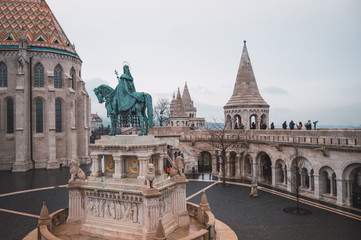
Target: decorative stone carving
<point>114,210</point>
<point>76,173</point>
<point>149,175</point>
<point>177,169</point>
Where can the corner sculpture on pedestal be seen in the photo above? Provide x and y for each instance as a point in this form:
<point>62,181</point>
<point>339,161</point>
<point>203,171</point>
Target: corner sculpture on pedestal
<point>126,102</point>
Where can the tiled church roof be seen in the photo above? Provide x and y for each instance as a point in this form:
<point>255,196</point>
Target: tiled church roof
<point>43,31</point>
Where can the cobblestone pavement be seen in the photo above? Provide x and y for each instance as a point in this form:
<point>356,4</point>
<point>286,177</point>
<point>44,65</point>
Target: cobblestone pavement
<point>250,218</point>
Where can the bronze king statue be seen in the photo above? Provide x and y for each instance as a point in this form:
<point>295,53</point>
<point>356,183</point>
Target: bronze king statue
<point>126,102</point>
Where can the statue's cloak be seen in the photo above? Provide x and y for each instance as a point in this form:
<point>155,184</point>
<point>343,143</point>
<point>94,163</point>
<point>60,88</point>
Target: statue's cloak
<point>126,96</point>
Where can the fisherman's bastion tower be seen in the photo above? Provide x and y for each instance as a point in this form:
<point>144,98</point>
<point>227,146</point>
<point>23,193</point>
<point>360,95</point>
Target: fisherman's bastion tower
<point>183,112</point>
<point>246,106</point>
<point>44,107</point>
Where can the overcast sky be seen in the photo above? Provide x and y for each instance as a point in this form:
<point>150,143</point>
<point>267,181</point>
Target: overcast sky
<point>306,55</point>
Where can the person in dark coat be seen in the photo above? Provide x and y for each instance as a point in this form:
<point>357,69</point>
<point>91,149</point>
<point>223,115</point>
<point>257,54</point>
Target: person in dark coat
<point>292,125</point>
<point>284,125</point>
<point>272,125</point>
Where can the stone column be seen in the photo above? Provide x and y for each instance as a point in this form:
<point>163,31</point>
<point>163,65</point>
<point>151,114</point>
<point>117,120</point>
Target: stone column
<point>311,180</point>
<point>258,123</point>
<point>254,169</point>
<point>318,184</point>
<point>303,180</point>
<point>228,169</point>
<point>143,161</point>
<point>331,185</point>
<point>349,192</point>
<point>76,207</point>
<point>97,166</point>
<point>51,134</point>
<point>160,164</point>
<point>289,181</point>
<point>274,176</point>
<point>238,165</point>
<point>214,165</point>
<point>284,169</point>
<point>179,203</point>
<point>21,105</point>
<point>341,191</point>
<point>118,167</point>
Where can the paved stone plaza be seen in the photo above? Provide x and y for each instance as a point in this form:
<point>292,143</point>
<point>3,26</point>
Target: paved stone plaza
<point>250,218</point>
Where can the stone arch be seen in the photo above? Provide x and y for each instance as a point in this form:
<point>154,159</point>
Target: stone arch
<point>237,122</point>
<point>205,162</point>
<point>301,174</point>
<point>253,121</point>
<point>248,166</point>
<point>280,172</point>
<point>352,183</point>
<point>265,167</point>
<point>232,163</point>
<point>264,121</point>
<point>327,181</point>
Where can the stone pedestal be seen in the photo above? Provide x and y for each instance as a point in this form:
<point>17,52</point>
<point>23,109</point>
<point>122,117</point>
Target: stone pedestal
<point>117,203</point>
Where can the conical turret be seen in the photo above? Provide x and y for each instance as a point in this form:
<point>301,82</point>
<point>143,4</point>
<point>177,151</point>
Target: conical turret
<point>179,107</point>
<point>245,92</point>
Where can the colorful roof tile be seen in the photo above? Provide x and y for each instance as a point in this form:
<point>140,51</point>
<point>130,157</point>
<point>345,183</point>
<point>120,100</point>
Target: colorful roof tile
<point>42,30</point>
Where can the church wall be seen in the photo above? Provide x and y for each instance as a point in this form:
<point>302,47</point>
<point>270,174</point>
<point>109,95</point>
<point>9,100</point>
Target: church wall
<point>50,149</point>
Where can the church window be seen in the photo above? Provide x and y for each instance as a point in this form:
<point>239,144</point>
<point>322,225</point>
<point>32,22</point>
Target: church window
<point>10,116</point>
<point>56,41</point>
<point>3,75</point>
<point>57,76</point>
<point>72,74</point>
<point>39,115</point>
<point>58,115</point>
<point>39,75</point>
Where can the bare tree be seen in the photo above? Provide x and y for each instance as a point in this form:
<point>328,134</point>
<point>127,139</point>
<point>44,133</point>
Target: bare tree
<point>295,180</point>
<point>162,111</point>
<point>222,140</point>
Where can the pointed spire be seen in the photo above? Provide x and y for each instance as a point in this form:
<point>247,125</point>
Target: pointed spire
<point>187,100</point>
<point>204,203</point>
<point>178,107</point>
<point>44,213</point>
<point>178,94</point>
<point>160,233</point>
<point>245,92</point>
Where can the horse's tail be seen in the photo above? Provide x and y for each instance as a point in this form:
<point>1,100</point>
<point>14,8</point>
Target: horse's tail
<point>149,105</point>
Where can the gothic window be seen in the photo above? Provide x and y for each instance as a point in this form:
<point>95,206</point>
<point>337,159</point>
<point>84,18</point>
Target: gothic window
<point>3,75</point>
<point>57,76</point>
<point>72,74</point>
<point>39,75</point>
<point>58,115</point>
<point>39,115</point>
<point>10,116</point>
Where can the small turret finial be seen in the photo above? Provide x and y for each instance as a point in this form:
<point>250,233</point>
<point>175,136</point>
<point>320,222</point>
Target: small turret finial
<point>244,42</point>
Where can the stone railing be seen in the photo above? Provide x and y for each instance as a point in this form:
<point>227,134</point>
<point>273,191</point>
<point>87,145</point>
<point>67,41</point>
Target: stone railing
<point>47,224</point>
<point>334,137</point>
<point>205,217</point>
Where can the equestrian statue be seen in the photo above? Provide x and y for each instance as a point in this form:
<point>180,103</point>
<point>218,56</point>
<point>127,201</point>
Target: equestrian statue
<point>126,102</point>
